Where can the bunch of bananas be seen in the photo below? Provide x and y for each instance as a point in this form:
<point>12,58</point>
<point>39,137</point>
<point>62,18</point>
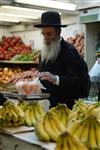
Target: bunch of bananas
<point>62,112</point>
<point>49,127</point>
<point>23,104</point>
<point>12,114</point>
<point>33,111</point>
<point>66,141</point>
<point>87,130</point>
<point>81,110</point>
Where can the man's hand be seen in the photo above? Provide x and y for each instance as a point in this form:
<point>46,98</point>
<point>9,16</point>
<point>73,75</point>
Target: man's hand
<point>47,76</point>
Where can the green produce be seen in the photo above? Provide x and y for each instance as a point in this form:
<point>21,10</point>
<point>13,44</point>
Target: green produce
<point>26,57</point>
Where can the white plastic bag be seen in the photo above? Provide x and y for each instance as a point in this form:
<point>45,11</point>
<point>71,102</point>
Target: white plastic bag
<point>95,71</point>
<point>95,78</point>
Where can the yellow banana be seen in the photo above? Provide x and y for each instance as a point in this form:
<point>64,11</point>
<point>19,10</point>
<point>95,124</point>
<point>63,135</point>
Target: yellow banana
<point>58,123</point>
<point>77,144</point>
<point>28,118</point>
<point>19,111</point>
<point>15,116</point>
<point>40,109</point>
<point>73,127</point>
<point>85,134</point>
<point>71,116</point>
<point>40,130</point>
<point>36,113</point>
<point>54,126</point>
<point>61,144</point>
<point>33,119</point>
<point>7,124</point>
<point>97,132</point>
<point>80,130</point>
<point>63,117</point>
<point>92,136</point>
<point>70,144</point>
<point>53,135</point>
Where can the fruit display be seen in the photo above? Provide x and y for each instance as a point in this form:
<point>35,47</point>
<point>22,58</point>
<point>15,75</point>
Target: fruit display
<point>33,56</point>
<point>85,124</point>
<point>78,42</point>
<point>11,114</point>
<point>7,73</point>
<point>33,111</point>
<point>66,141</point>
<point>21,113</point>
<point>28,75</point>
<point>62,112</point>
<point>49,127</point>
<point>10,46</point>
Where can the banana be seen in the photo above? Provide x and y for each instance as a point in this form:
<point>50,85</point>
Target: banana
<point>19,111</point>
<point>70,144</point>
<point>85,134</point>
<point>28,118</point>
<point>40,130</point>
<point>63,117</point>
<point>53,135</point>
<point>92,136</point>
<point>77,144</point>
<point>73,127</point>
<point>54,125</point>
<point>97,132</point>
<point>33,119</point>
<point>40,109</point>
<point>71,116</point>
<point>58,123</point>
<point>7,124</point>
<point>61,144</point>
<point>80,130</point>
<point>15,117</point>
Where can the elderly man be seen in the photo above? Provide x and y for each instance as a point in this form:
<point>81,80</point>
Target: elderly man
<point>63,72</point>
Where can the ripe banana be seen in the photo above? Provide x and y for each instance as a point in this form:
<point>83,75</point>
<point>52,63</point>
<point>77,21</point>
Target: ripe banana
<point>66,141</point>
<point>97,132</point>
<point>15,116</point>
<point>73,127</point>
<point>60,144</point>
<point>54,125</point>
<point>53,135</point>
<point>78,145</point>
<point>37,115</point>
<point>70,144</point>
<point>19,111</point>
<point>58,123</point>
<point>28,117</point>
<point>33,119</point>
<point>80,130</point>
<point>85,134</point>
<point>92,135</point>
<point>40,109</point>
<point>40,130</point>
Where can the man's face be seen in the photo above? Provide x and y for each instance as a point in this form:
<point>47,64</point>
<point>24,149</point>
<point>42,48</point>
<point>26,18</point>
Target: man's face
<point>49,34</point>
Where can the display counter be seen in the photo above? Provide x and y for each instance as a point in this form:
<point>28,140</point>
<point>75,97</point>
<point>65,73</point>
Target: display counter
<point>23,141</point>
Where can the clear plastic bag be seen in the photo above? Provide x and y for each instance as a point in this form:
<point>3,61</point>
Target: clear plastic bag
<point>95,78</point>
<point>32,87</point>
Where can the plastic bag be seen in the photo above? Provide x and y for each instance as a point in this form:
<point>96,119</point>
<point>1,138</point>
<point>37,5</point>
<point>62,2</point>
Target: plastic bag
<point>95,78</point>
<point>32,87</point>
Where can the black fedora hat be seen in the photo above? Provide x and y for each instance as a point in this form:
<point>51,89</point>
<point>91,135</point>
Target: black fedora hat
<point>50,19</point>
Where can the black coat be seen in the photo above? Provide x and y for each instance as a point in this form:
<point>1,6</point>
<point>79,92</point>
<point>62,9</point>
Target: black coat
<point>73,74</point>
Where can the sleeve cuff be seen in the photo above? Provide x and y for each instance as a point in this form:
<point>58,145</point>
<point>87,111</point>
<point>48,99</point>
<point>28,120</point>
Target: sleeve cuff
<point>57,81</point>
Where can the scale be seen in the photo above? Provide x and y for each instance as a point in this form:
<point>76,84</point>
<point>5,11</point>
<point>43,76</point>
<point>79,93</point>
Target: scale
<point>26,97</point>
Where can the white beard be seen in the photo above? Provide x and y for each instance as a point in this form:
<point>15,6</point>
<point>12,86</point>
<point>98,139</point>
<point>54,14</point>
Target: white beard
<point>50,51</point>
